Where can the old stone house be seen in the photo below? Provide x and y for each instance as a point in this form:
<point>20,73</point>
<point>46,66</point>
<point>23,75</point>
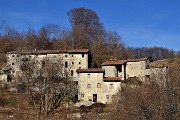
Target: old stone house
<point>71,59</point>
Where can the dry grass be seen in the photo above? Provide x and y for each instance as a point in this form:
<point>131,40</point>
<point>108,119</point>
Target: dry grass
<point>20,109</point>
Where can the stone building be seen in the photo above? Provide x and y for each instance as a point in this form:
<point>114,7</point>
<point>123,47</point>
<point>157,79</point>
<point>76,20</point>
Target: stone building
<point>71,59</point>
<point>138,68</point>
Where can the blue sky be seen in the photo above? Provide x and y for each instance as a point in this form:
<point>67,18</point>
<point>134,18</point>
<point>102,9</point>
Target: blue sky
<point>141,23</point>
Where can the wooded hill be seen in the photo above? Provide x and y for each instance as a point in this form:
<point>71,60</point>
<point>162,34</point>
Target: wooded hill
<point>87,31</point>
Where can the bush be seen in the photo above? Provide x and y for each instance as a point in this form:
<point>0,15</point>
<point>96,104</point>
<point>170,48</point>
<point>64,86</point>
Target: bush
<point>2,102</point>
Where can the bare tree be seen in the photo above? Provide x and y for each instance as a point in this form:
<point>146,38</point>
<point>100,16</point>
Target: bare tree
<point>48,83</point>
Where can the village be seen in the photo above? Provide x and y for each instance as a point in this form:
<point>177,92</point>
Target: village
<point>94,84</point>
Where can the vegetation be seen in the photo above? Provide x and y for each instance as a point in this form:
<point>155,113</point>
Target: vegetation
<point>153,100</point>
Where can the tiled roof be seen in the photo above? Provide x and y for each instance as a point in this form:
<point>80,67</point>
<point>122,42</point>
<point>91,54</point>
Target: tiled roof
<point>78,51</point>
<point>91,70</point>
<point>121,62</point>
<point>114,62</point>
<point>137,60</point>
<point>112,79</point>
<point>49,51</point>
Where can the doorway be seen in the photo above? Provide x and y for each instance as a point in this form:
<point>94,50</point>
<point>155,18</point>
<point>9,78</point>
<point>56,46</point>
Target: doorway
<point>94,97</point>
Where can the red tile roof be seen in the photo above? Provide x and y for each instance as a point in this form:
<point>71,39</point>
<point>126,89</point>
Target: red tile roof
<point>112,79</point>
<point>91,70</point>
<point>114,62</point>
<point>28,52</point>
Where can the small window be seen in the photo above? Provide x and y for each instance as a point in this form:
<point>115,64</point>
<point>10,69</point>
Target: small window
<point>12,55</point>
<point>43,63</point>
<point>98,85</point>
<point>107,96</point>
<point>79,62</point>
<point>88,85</point>
<point>17,55</point>
<point>88,75</point>
<point>13,71</point>
<point>79,67</point>
<point>111,86</point>
<point>72,63</point>
<point>147,77</point>
<point>82,95</point>
<point>66,64</point>
<point>147,66</point>
<point>82,55</point>
<point>12,63</point>
<point>72,55</point>
<point>72,72</point>
<point>65,55</point>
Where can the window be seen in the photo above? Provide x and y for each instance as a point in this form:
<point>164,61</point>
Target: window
<point>79,67</point>
<point>72,72</point>
<point>111,86</point>
<point>82,95</point>
<point>65,55</point>
<point>43,63</point>
<point>82,55</point>
<point>12,55</point>
<point>147,77</point>
<point>147,66</point>
<point>88,75</point>
<point>72,63</point>
<point>12,63</point>
<point>107,96</point>
<point>72,55</point>
<point>88,85</point>
<point>66,64</point>
<point>98,85</point>
<point>17,55</point>
<point>79,62</point>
